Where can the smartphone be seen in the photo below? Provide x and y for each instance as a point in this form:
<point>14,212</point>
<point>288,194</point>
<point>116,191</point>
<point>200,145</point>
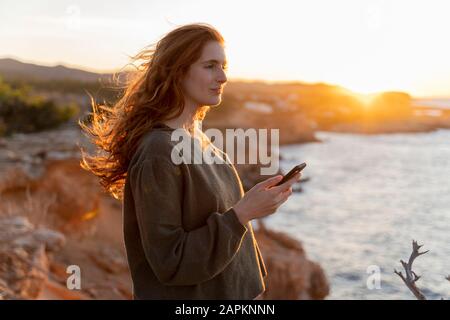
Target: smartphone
<point>292,173</point>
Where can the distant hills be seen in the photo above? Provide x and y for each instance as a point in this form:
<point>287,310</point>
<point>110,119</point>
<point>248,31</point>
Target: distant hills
<point>300,108</point>
<point>11,69</point>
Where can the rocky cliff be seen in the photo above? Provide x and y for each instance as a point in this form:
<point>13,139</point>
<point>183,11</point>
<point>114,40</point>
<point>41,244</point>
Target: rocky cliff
<point>53,215</point>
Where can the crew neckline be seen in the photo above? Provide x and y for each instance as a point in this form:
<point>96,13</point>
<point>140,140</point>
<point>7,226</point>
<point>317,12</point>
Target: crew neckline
<point>163,126</point>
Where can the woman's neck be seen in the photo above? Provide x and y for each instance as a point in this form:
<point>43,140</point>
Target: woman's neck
<point>186,120</point>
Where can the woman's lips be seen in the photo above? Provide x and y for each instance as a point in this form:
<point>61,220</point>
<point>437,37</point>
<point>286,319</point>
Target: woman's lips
<point>216,91</point>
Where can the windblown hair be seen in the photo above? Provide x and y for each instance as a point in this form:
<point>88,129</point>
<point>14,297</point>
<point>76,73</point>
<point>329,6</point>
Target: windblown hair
<point>151,95</point>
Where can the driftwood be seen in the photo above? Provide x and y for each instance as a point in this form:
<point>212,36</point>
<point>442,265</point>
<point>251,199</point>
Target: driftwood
<point>411,277</point>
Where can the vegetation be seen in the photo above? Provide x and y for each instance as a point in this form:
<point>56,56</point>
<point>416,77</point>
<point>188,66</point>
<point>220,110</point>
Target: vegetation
<point>23,111</point>
<point>29,104</point>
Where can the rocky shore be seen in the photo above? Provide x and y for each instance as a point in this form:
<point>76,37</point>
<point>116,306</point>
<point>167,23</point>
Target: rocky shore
<point>53,216</point>
<point>424,120</point>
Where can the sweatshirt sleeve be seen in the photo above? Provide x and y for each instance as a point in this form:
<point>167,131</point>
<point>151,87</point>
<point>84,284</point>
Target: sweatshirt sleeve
<point>179,257</point>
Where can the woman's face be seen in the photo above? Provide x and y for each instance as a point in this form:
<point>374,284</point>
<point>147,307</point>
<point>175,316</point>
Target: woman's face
<point>203,83</point>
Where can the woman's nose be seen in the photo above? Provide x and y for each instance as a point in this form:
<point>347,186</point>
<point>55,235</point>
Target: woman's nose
<point>222,78</point>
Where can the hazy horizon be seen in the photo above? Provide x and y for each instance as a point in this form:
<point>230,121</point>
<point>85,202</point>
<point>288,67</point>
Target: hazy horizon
<point>229,79</point>
<point>365,46</point>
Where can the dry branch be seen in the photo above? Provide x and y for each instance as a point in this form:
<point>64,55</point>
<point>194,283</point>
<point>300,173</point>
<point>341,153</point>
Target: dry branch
<point>411,277</point>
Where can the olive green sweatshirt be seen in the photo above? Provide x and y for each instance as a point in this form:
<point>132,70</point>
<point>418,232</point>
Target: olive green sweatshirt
<point>183,239</point>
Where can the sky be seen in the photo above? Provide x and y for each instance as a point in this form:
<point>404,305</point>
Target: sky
<point>364,45</point>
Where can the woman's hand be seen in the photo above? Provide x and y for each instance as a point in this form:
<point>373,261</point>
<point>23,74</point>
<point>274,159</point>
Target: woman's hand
<point>264,198</point>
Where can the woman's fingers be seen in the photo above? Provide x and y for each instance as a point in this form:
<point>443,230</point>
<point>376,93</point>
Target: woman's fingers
<point>288,184</point>
<point>286,194</point>
<point>270,182</point>
<point>267,197</point>
<point>283,196</point>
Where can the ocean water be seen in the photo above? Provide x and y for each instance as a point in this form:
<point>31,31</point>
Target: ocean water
<point>367,199</point>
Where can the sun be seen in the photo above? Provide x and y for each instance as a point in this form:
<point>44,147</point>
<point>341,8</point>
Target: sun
<point>366,99</point>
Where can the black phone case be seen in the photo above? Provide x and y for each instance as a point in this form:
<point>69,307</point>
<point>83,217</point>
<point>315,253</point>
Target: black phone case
<point>291,173</point>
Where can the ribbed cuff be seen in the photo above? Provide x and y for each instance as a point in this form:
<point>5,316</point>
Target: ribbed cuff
<point>237,226</point>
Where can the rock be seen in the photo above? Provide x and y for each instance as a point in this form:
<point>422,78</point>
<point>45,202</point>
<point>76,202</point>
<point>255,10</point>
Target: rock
<point>27,252</point>
<point>412,125</point>
<point>56,291</point>
<point>291,275</point>
<point>293,126</point>
<point>14,226</point>
<point>52,240</point>
<point>109,259</point>
<point>24,263</point>
<point>23,270</point>
<point>14,177</point>
<point>5,292</point>
<point>74,208</point>
<point>30,153</point>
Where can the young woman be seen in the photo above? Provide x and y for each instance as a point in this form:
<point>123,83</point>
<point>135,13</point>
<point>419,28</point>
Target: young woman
<point>186,226</point>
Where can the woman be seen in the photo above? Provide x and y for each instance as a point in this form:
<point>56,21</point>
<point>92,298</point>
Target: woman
<point>186,226</point>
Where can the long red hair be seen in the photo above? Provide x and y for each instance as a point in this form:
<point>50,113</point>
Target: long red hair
<point>152,95</point>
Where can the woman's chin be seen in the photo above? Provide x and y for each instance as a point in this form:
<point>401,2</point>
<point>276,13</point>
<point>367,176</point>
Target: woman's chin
<point>211,101</point>
<point>215,101</point>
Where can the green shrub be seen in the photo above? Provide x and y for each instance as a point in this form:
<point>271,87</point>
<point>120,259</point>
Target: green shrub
<point>20,111</point>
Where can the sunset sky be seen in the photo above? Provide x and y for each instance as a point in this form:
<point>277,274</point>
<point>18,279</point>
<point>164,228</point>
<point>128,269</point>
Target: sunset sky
<point>366,46</point>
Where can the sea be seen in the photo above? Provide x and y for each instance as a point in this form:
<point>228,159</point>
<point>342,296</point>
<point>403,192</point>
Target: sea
<point>368,197</point>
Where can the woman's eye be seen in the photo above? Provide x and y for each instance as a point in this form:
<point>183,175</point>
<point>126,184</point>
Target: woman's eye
<point>211,66</point>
